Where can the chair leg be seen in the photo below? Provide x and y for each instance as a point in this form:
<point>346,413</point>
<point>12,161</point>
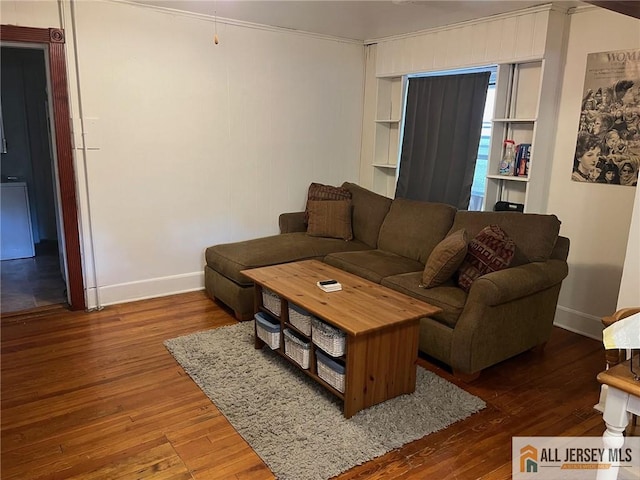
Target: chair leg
<point>633,429</point>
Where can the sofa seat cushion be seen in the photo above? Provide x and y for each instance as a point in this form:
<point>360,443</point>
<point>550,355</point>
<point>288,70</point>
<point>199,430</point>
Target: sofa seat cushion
<point>230,258</point>
<point>448,296</point>
<point>413,229</point>
<point>373,265</point>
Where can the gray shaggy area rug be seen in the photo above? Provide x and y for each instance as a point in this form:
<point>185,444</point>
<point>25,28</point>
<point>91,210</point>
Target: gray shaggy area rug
<point>294,424</point>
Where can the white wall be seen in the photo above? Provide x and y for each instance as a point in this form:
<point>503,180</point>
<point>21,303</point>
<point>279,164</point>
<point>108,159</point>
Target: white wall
<point>38,14</point>
<point>630,284</point>
<point>190,144</point>
<point>595,217</point>
<point>520,35</point>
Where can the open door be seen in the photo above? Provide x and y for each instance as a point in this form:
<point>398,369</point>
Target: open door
<point>53,40</point>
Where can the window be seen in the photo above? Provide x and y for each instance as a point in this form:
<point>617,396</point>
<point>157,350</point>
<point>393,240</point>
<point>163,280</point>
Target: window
<point>482,160</point>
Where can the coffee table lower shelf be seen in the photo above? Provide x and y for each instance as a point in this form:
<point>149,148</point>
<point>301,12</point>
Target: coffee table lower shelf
<point>280,351</point>
<point>381,328</point>
<point>378,366</point>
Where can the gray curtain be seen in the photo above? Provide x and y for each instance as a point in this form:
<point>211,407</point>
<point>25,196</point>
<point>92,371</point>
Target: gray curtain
<point>443,123</point>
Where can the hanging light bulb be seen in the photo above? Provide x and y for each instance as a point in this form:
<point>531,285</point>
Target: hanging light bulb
<point>215,26</point>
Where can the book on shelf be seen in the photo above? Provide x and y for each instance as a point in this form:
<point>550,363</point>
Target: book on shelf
<point>523,155</point>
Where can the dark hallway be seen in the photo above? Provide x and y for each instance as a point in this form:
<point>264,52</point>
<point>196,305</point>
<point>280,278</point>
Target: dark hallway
<point>29,225</point>
<point>32,282</point>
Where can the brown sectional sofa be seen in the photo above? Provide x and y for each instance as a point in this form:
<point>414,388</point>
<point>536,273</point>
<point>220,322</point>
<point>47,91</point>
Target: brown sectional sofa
<point>503,314</point>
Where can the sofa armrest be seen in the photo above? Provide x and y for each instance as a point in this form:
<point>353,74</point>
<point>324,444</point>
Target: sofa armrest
<point>516,282</point>
<point>561,249</point>
<point>292,222</point>
<point>506,313</point>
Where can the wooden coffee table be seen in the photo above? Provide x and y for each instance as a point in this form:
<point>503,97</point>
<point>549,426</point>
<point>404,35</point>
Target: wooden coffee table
<point>381,326</point>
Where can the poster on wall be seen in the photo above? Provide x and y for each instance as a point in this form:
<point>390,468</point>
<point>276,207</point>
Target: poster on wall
<point>608,143</point>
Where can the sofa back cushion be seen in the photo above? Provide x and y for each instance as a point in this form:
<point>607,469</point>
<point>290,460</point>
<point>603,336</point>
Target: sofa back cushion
<point>319,191</point>
<point>368,213</point>
<point>413,229</point>
<point>535,235</point>
<point>330,218</point>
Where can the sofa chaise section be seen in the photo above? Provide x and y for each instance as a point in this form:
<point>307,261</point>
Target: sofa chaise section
<point>224,282</point>
<point>224,263</point>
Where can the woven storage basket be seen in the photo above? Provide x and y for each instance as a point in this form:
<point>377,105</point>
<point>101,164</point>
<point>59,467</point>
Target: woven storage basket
<point>271,301</point>
<point>268,329</point>
<point>330,339</point>
<point>296,348</point>
<point>300,318</point>
<point>330,371</point>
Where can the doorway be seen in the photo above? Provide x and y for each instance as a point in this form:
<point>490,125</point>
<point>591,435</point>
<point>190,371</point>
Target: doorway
<point>66,246</point>
<point>32,269</point>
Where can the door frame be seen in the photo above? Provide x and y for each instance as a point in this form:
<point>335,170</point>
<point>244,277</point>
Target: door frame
<point>53,39</point>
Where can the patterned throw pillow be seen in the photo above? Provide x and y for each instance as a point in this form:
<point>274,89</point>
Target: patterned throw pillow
<point>445,259</point>
<point>330,218</point>
<point>491,250</point>
<point>318,191</point>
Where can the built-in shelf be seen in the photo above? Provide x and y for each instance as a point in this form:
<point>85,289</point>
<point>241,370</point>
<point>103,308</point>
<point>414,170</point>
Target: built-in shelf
<point>390,93</point>
<point>384,165</point>
<point>516,117</point>
<point>515,120</point>
<point>509,178</point>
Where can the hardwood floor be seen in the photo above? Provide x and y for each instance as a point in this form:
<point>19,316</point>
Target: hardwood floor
<point>97,396</point>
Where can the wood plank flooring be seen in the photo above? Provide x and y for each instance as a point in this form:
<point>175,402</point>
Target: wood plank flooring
<point>97,396</point>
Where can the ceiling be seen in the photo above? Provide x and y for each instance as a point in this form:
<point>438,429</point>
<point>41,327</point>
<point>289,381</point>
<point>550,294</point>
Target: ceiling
<point>358,20</point>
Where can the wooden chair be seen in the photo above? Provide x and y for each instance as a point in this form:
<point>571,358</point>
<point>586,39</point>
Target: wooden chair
<point>615,356</point>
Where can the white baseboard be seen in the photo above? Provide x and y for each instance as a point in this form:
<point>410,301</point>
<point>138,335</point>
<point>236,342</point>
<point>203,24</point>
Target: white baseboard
<point>143,289</point>
<point>92,301</point>
<point>579,322</point>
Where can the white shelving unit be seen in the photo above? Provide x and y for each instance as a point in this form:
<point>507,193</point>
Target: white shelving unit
<point>524,112</point>
<point>390,92</point>
<point>516,114</point>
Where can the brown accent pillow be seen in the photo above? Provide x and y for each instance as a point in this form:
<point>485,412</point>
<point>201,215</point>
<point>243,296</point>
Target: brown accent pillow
<point>330,218</point>
<point>491,250</point>
<point>445,259</point>
<point>318,191</point>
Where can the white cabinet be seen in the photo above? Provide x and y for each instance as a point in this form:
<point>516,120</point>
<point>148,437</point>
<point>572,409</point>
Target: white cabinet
<point>16,237</point>
<point>390,94</point>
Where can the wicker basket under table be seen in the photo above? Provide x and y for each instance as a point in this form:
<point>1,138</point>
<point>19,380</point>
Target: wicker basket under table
<point>296,348</point>
<point>271,302</point>
<point>330,339</point>
<point>330,371</point>
<point>300,318</point>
